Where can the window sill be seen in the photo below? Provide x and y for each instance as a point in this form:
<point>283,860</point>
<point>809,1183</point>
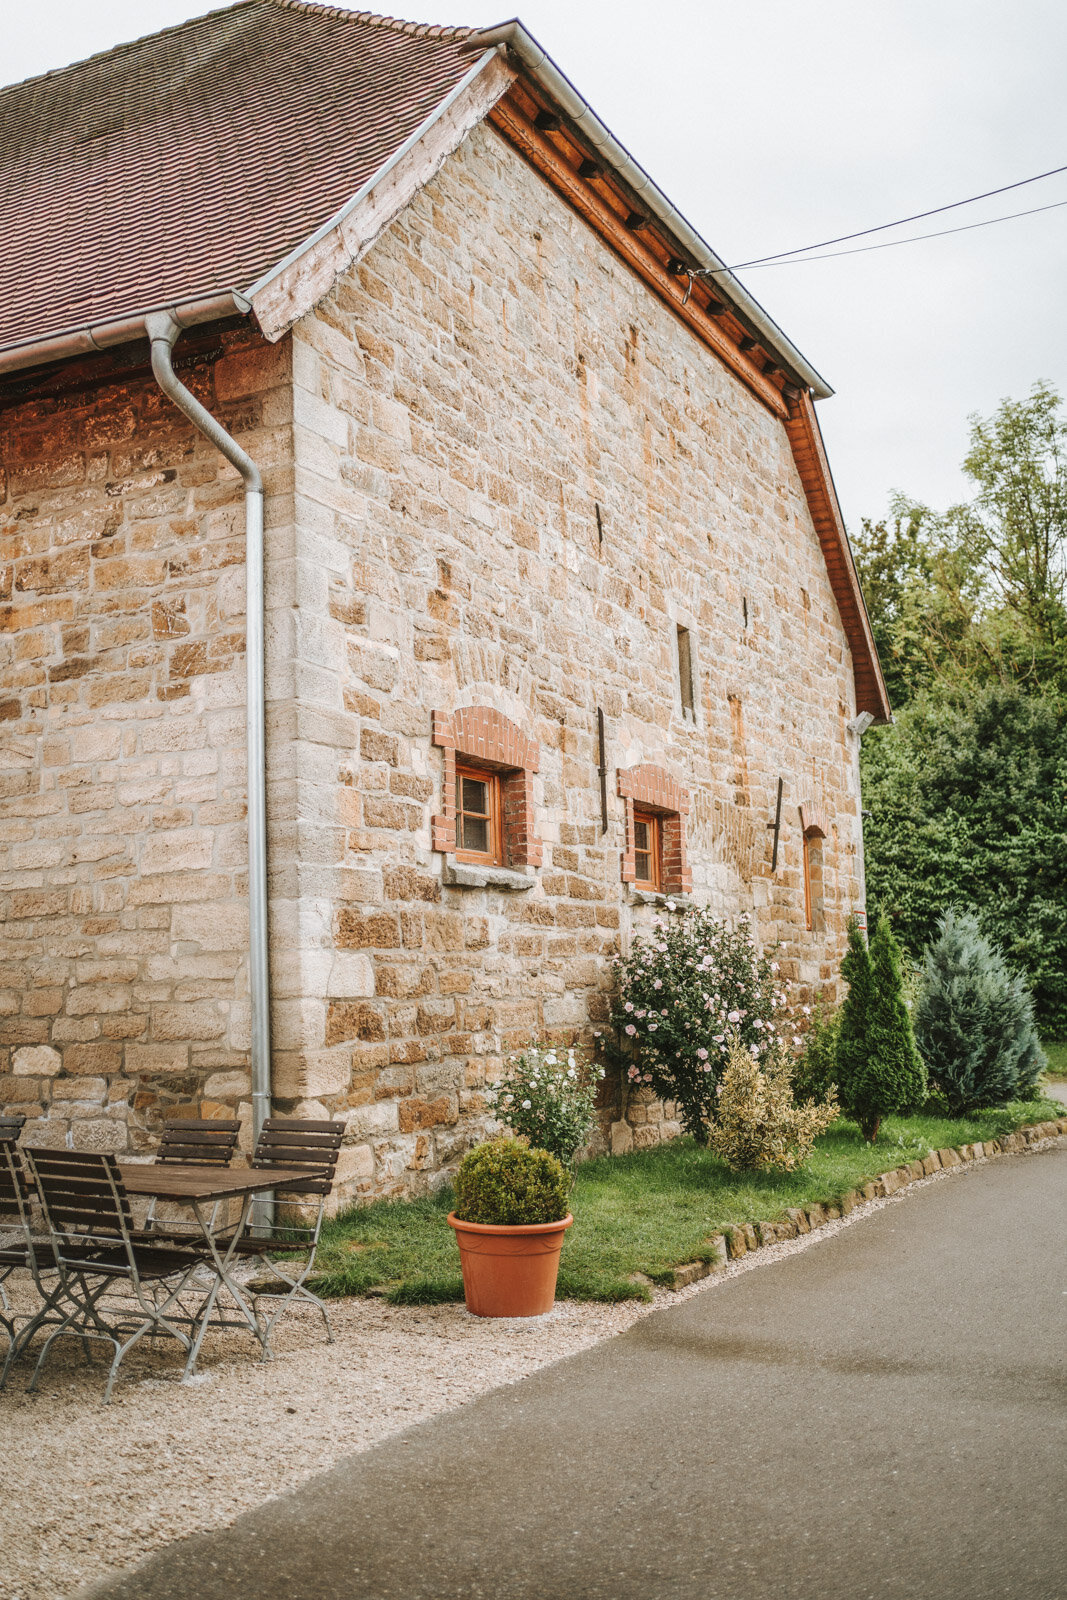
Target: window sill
<point>466,875</point>
<point>656,897</point>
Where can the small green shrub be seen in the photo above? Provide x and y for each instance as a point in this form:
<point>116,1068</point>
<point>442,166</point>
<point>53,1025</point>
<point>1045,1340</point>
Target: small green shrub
<point>505,1182</point>
<point>758,1125</point>
<point>974,1020</point>
<point>547,1095</point>
<point>815,1068</point>
<point>880,1071</point>
<point>681,993</point>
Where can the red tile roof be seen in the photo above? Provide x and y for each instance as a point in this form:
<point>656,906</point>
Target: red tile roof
<point>189,162</point>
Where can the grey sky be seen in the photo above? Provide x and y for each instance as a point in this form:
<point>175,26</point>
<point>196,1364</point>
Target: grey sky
<point>772,124</point>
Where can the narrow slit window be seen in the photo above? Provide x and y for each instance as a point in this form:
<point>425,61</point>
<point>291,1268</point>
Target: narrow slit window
<point>478,829</point>
<point>648,872</point>
<point>685,673</point>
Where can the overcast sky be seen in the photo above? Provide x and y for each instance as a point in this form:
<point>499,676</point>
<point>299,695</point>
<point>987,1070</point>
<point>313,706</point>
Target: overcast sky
<point>772,124</point>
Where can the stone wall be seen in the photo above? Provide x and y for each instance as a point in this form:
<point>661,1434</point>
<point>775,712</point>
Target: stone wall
<point>123,913</point>
<point>516,474</point>
<point>500,476</point>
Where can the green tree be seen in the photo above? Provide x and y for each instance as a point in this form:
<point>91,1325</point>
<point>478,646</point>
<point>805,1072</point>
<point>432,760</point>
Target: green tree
<point>974,1020</point>
<point>879,1068</point>
<point>978,593</point>
<point>967,796</point>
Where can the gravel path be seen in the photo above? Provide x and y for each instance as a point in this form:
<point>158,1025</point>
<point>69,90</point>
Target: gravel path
<point>86,1489</point>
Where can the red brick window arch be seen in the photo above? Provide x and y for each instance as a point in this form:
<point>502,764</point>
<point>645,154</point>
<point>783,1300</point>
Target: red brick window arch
<point>498,761</point>
<point>814,830</point>
<point>655,856</point>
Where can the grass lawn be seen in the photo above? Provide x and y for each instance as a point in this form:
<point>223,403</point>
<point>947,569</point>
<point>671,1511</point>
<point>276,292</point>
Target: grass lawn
<point>646,1212</point>
<point>1057,1058</point>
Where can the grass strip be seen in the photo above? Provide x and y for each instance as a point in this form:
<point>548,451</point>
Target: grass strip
<point>646,1212</point>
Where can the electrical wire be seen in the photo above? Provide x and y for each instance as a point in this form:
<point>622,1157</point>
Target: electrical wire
<point>919,216</point>
<point>889,244</point>
<point>693,273</point>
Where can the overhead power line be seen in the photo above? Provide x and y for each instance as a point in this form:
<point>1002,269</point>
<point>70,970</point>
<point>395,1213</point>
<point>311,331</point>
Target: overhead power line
<point>889,244</point>
<point>919,216</point>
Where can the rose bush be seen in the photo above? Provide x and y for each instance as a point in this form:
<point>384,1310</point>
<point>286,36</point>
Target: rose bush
<point>682,995</point>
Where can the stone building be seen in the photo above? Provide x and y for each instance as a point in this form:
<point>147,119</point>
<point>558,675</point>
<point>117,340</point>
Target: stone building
<point>559,607</point>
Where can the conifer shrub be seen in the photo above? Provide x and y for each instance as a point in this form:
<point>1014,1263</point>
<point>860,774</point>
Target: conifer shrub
<point>880,1071</point>
<point>815,1068</point>
<point>507,1183</point>
<point>758,1124</point>
<point>974,1020</point>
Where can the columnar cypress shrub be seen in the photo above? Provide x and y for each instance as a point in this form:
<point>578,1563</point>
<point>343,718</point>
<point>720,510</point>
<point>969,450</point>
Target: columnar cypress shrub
<point>880,1072</point>
<point>974,1019</point>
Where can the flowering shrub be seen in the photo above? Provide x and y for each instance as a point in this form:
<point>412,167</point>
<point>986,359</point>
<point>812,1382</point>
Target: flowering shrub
<point>682,995</point>
<point>757,1123</point>
<point>547,1095</point>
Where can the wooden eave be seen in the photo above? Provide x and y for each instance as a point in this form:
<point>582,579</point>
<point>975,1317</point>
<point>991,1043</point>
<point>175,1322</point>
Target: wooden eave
<point>580,176</point>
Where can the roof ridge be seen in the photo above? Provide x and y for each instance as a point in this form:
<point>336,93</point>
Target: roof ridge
<point>426,30</point>
<point>416,30</point>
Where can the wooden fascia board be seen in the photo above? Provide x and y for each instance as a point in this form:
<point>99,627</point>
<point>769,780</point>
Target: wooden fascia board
<point>805,438</point>
<point>512,121</point>
<point>518,129</point>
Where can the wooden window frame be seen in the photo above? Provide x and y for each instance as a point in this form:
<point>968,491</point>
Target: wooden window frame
<point>650,791</point>
<point>814,829</point>
<point>809,910</point>
<point>482,740</point>
<point>494,856</point>
<point>653,822</point>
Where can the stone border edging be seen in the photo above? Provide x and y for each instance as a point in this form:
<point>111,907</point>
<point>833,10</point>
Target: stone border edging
<point>734,1242</point>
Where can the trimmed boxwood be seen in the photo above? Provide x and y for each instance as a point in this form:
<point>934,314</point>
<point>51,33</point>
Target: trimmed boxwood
<point>506,1183</point>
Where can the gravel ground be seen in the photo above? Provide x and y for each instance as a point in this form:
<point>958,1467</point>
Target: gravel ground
<point>87,1489</point>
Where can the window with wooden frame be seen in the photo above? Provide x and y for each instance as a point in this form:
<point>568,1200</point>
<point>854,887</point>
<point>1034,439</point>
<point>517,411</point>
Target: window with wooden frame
<point>648,852</point>
<point>479,816</point>
<point>654,859</point>
<point>487,810</point>
<point>814,829</point>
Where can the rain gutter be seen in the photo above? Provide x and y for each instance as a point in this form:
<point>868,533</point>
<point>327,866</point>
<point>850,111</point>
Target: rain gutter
<point>540,66</point>
<point>94,337</point>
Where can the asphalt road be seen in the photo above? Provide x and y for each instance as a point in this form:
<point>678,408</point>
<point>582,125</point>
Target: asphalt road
<point>880,1416</point>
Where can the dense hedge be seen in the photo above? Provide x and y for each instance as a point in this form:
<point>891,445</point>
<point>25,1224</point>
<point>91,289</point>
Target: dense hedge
<point>968,810</point>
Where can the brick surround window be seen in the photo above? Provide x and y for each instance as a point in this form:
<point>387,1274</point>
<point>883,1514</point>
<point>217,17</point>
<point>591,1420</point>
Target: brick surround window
<point>487,794</point>
<point>813,831</point>
<point>656,812</point>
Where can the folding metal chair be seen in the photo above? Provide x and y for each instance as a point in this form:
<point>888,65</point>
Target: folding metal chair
<point>88,1215</point>
<point>23,1248</point>
<point>314,1146</point>
<point>186,1141</point>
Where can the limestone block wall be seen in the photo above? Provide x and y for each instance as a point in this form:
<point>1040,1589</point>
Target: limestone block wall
<point>123,913</point>
<point>516,475</point>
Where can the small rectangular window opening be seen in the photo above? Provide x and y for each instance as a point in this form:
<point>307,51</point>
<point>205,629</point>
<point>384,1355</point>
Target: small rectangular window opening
<point>648,872</point>
<point>685,673</point>
<point>478,817</point>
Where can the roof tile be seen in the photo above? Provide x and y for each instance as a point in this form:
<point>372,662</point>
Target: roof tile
<point>187,163</point>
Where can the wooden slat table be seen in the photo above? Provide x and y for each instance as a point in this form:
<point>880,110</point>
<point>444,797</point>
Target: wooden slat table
<point>198,1186</point>
<point>195,1183</point>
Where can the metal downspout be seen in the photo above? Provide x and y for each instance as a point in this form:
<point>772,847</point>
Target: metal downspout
<point>163,330</point>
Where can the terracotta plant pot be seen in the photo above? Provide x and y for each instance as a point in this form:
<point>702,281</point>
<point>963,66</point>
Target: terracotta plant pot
<point>509,1271</point>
